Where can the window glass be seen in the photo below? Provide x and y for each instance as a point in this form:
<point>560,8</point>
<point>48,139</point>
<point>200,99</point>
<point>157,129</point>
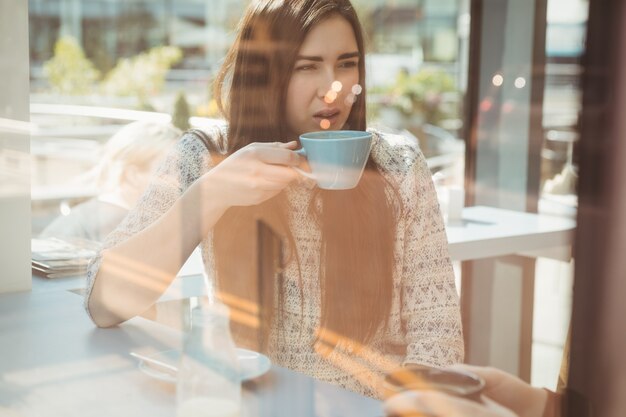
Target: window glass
<point>409,43</point>
<point>100,67</point>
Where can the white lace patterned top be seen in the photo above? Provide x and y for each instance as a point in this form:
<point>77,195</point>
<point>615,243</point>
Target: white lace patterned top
<point>424,326</point>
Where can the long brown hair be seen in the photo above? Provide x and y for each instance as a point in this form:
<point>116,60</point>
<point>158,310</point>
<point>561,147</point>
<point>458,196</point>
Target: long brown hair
<point>357,226</point>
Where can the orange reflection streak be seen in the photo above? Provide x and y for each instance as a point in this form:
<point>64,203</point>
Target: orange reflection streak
<point>244,318</point>
<point>328,340</point>
<point>360,372</point>
<point>242,311</point>
<point>238,302</point>
<point>362,351</point>
<point>136,272</point>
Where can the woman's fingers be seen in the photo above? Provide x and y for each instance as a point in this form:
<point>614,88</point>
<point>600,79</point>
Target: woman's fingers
<point>275,153</point>
<point>277,173</point>
<point>288,145</point>
<point>279,156</point>
<point>255,173</point>
<point>509,390</point>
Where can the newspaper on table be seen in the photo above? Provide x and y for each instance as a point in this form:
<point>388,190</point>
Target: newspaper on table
<point>58,258</point>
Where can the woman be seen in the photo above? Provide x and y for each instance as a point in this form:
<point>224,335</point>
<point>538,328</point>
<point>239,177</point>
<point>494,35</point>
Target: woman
<point>351,283</point>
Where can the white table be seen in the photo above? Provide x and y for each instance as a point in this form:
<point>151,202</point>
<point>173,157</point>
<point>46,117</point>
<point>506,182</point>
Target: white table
<point>54,362</point>
<point>500,327</point>
<point>487,232</point>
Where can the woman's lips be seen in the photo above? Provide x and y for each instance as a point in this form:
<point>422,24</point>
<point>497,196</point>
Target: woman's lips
<point>327,114</point>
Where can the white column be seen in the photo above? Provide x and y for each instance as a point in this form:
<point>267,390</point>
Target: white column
<point>14,148</point>
<point>71,15</point>
<point>215,16</point>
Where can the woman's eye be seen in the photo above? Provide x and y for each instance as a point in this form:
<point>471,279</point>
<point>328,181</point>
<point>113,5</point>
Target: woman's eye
<point>307,67</point>
<point>348,64</point>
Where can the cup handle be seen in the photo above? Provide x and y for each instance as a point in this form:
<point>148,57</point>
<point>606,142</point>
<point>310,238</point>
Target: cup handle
<point>302,152</point>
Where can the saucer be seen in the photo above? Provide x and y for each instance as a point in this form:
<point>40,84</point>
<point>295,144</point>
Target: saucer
<point>164,365</point>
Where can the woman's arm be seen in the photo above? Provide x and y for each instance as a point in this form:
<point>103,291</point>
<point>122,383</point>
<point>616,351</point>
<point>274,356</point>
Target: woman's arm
<point>430,303</point>
<point>134,273</point>
<point>130,275</point>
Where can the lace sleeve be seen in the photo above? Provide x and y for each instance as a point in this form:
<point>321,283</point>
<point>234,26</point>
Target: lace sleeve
<point>185,163</point>
<point>430,304</point>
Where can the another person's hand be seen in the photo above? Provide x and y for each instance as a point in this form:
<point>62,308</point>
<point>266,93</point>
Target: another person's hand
<point>253,174</point>
<point>504,395</point>
<point>510,391</point>
<point>439,404</point>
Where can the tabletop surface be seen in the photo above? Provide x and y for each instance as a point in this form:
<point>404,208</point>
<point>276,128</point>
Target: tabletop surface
<point>485,232</point>
<point>55,362</point>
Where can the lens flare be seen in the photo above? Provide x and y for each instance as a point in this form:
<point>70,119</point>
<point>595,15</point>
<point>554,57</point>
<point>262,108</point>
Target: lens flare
<point>330,96</point>
<point>357,89</point>
<point>508,107</point>
<point>325,124</point>
<point>336,86</point>
<point>485,105</point>
<point>65,208</point>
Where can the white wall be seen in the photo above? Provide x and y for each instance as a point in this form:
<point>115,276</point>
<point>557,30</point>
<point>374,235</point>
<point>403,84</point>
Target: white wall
<point>15,273</point>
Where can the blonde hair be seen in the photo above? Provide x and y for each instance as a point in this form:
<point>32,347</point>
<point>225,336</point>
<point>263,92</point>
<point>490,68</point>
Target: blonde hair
<point>136,144</point>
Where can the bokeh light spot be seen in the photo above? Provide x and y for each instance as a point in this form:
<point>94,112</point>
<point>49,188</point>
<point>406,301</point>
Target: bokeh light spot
<point>350,99</point>
<point>325,124</point>
<point>486,105</point>
<point>520,82</point>
<point>357,89</point>
<point>65,208</point>
<point>330,96</point>
<point>497,80</point>
<point>336,86</point>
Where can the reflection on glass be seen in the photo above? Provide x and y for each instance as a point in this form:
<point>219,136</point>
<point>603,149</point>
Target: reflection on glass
<point>340,284</point>
<point>128,160</point>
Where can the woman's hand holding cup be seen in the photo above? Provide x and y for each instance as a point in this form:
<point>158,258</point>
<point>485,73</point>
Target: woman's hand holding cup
<point>252,175</point>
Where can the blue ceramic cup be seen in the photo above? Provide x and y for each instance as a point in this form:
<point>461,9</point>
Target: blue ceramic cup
<point>336,157</point>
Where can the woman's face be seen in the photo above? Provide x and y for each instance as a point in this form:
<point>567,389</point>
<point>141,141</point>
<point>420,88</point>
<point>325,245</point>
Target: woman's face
<point>325,78</point>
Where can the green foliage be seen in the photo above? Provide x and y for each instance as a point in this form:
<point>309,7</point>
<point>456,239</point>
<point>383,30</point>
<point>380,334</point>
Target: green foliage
<point>180,118</point>
<point>94,41</point>
<point>143,75</point>
<point>69,71</point>
<point>422,94</point>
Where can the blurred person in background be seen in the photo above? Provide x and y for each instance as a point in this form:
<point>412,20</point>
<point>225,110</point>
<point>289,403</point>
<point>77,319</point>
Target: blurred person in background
<point>129,158</point>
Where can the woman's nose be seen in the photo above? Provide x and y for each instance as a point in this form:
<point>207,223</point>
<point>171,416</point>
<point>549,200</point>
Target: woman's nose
<point>325,83</point>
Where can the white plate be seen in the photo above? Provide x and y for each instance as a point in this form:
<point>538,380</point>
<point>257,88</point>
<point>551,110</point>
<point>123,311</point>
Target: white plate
<point>164,365</point>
